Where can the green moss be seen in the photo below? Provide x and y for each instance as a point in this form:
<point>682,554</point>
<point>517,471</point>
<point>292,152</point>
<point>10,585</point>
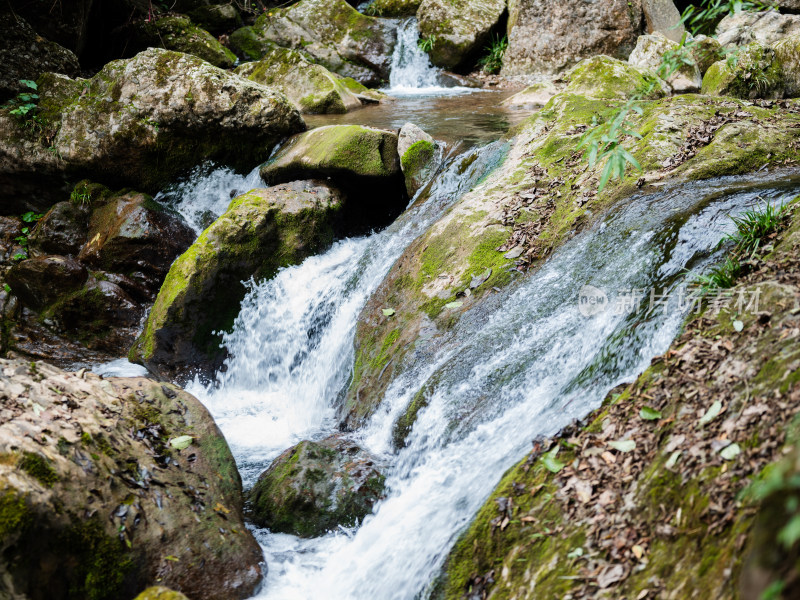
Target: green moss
<point>180,34</point>
<point>38,467</point>
<point>754,73</point>
<point>14,515</point>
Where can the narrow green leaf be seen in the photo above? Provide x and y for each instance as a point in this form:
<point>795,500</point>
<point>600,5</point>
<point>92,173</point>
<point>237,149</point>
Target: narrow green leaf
<point>455,304</point>
<point>673,459</point>
<point>730,452</point>
<point>388,312</point>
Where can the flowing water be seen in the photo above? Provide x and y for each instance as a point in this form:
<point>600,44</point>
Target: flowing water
<point>522,363</point>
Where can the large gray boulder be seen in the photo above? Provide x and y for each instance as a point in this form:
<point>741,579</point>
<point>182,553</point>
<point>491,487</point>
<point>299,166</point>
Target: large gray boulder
<point>662,17</point>
<point>110,486</point>
<point>549,36</point>
<point>140,122</point>
<point>261,231</point>
<point>314,487</point>
<point>459,29</point>
<point>333,34</point>
<point>765,27</point>
<point>649,54</point>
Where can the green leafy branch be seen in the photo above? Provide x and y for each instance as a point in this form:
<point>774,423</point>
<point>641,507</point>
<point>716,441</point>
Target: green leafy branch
<point>25,104</point>
<point>426,44</point>
<point>493,60</point>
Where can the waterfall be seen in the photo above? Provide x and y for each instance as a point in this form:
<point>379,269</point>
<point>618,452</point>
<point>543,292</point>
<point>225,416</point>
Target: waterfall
<point>412,72</point>
<point>522,363</point>
<point>205,193</point>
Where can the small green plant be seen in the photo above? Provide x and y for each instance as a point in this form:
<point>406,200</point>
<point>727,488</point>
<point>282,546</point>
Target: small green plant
<point>30,218</point>
<point>754,226</point>
<point>704,16</point>
<point>752,229</point>
<point>426,44</point>
<point>604,141</point>
<point>24,105</point>
<point>373,10</point>
<point>493,59</point>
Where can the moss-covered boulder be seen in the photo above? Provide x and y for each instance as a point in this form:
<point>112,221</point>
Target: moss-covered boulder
<point>787,52</point>
<point>141,121</point>
<point>177,32</point>
<point>701,508</point>
<point>609,78</point>
<point>542,193</point>
<point>458,29</point>
<point>248,44</point>
<point>160,593</point>
<point>26,55</point>
<point>333,34</point>
<point>417,152</point>
<point>393,8</point>
<point>361,161</point>
<point>110,486</point>
<point>549,36</point>
<point>650,52</point>
<point>705,52</point>
<point>756,73</point>
<point>134,235</point>
<point>314,487</point>
<point>312,88</point>
<point>216,18</point>
<point>260,232</point>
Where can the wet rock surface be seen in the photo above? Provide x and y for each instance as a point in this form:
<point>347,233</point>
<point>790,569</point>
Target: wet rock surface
<point>108,486</point>
<point>314,487</point>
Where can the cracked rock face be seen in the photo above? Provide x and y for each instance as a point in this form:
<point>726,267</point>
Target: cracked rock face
<point>108,486</point>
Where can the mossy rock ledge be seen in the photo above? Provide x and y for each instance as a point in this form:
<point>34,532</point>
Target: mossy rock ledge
<point>331,33</point>
<point>312,88</point>
<point>262,231</point>
<point>476,235</point>
<point>459,29</point>
<point>703,510</point>
<point>110,486</point>
<point>314,487</point>
<point>417,152</point>
<point>756,73</point>
<point>142,121</point>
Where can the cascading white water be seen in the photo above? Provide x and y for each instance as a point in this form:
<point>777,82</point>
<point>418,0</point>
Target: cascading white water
<point>522,363</point>
<point>206,192</point>
<point>412,73</point>
<point>274,392</point>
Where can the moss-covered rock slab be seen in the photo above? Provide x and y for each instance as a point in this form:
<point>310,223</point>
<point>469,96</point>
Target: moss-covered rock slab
<point>459,29</point>
<point>417,152</point>
<point>177,32</point>
<point>539,196</point>
<point>609,78</point>
<point>312,88</point>
<point>141,121</point>
<point>260,232</point>
<point>755,73</point>
<point>537,94</point>
<point>333,34</point>
<point>116,485</point>
<point>314,487</point>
